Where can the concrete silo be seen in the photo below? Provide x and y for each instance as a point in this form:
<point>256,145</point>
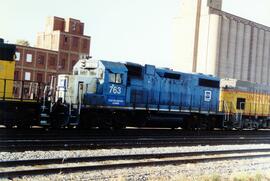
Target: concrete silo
<point>209,40</point>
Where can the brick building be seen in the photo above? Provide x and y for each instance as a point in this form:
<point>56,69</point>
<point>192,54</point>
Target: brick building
<point>56,51</point>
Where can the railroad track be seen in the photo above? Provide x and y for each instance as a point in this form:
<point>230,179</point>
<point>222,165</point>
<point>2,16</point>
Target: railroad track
<point>40,139</point>
<point>123,142</point>
<point>46,134</point>
<point>62,165</point>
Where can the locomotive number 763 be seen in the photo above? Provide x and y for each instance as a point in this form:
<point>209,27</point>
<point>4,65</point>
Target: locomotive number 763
<point>115,89</point>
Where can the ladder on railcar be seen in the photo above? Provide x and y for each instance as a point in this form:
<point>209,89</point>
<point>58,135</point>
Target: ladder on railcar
<point>232,119</point>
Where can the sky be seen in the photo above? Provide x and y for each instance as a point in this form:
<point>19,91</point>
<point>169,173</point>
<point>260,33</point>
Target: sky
<point>139,31</point>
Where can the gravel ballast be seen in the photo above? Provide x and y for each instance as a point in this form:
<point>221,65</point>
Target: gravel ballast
<point>171,172</point>
<point>223,169</point>
<point>101,152</point>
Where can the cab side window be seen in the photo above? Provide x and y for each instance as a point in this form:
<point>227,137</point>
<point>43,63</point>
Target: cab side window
<point>118,79</point>
<point>240,104</point>
<point>112,78</point>
<point>115,78</point>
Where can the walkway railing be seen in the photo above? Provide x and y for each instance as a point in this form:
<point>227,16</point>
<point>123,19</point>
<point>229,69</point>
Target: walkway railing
<point>20,90</point>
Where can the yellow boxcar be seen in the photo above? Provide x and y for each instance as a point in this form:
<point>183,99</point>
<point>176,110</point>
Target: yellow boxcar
<point>7,68</point>
<point>245,98</point>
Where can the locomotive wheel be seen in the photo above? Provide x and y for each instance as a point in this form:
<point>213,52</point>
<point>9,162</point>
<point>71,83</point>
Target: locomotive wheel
<point>84,126</point>
<point>104,124</point>
<point>210,123</point>
<point>185,125</point>
<point>23,126</point>
<point>70,126</point>
<point>56,124</point>
<point>85,123</point>
<point>119,126</point>
<point>228,128</point>
<point>8,126</point>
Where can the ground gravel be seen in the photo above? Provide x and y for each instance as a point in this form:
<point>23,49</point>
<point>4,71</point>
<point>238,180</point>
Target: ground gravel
<point>224,169</point>
<point>101,152</point>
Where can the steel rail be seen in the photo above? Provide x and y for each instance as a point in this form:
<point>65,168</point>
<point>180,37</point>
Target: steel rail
<point>70,169</point>
<point>18,145</point>
<point>124,132</point>
<point>14,163</point>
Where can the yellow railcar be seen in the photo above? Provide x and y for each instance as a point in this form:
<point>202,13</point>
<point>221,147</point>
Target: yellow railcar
<point>7,76</point>
<point>19,100</point>
<point>244,98</point>
<point>7,68</point>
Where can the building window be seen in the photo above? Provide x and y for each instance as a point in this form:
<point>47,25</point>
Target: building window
<point>39,77</point>
<point>18,56</point>
<point>27,76</point>
<point>52,61</point>
<point>75,41</point>
<point>74,26</point>
<point>16,75</point>
<point>41,59</point>
<point>29,58</point>
<point>85,43</point>
<point>62,63</point>
<point>65,39</point>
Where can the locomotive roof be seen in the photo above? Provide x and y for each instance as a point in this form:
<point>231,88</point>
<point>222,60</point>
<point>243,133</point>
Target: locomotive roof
<point>206,76</point>
<point>115,67</point>
<point>244,85</point>
<point>199,75</point>
<point>119,67</point>
<point>7,51</point>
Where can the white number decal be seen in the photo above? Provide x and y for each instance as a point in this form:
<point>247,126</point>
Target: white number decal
<point>207,96</point>
<point>115,90</point>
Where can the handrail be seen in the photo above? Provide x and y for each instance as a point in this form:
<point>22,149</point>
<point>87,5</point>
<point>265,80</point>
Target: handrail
<point>227,111</point>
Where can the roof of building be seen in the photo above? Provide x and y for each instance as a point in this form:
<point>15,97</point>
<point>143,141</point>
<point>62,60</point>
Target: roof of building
<point>239,19</point>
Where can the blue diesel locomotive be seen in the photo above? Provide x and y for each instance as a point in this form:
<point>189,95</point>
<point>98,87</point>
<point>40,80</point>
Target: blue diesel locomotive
<point>108,94</point>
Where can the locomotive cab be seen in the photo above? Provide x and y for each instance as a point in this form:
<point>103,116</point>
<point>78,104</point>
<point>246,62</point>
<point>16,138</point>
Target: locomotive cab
<point>95,83</point>
<point>115,84</point>
<point>86,78</point>
<point>111,88</point>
